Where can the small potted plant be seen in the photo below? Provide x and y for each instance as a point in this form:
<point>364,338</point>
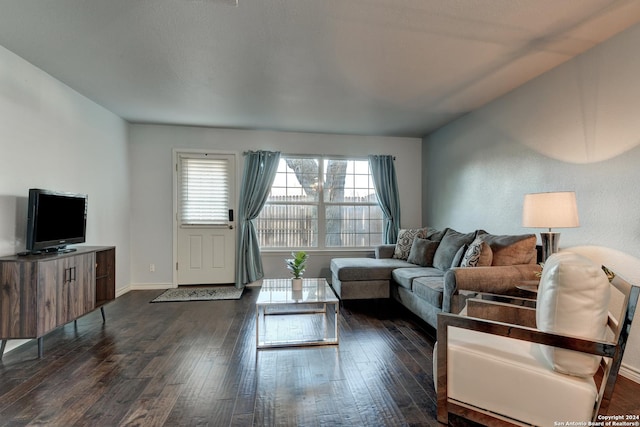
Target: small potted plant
<point>296,266</point>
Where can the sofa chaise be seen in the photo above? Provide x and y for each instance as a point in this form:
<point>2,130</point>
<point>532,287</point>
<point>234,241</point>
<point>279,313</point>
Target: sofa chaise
<point>431,271</point>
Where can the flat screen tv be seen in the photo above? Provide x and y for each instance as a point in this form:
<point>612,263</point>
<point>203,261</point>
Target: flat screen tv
<point>55,220</point>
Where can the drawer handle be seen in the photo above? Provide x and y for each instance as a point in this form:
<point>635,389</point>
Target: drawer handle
<point>69,274</point>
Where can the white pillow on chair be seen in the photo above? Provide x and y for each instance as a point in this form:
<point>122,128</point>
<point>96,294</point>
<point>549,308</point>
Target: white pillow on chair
<point>573,299</point>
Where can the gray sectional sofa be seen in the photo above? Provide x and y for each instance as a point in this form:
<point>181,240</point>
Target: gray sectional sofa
<point>429,271</point>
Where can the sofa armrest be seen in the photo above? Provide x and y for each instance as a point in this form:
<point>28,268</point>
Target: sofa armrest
<point>492,280</point>
<point>385,251</point>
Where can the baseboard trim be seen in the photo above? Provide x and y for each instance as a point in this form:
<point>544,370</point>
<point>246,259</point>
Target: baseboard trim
<point>630,373</point>
<point>122,291</point>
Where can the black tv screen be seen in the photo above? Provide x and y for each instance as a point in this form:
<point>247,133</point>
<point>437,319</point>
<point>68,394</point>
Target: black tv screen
<point>55,219</point>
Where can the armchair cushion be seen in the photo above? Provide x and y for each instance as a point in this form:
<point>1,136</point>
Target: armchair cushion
<point>573,299</point>
<point>509,376</point>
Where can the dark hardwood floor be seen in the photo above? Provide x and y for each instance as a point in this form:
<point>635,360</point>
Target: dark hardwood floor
<point>195,363</point>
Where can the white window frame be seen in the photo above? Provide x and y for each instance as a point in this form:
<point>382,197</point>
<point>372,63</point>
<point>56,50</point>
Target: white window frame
<point>321,205</point>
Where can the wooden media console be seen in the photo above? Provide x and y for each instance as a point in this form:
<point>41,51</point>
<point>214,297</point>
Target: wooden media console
<point>39,293</point>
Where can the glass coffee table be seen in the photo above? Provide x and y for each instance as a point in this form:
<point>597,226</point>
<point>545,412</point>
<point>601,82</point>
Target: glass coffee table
<point>288,318</point>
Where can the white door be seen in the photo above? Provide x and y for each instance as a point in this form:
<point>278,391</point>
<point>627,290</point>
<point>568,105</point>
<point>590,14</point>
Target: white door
<point>206,244</point>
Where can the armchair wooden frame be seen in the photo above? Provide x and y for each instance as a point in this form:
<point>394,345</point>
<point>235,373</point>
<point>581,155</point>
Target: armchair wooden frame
<point>612,352</point>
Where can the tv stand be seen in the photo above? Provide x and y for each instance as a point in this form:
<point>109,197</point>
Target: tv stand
<point>55,250</point>
<point>58,250</point>
<point>63,250</point>
<point>43,292</point>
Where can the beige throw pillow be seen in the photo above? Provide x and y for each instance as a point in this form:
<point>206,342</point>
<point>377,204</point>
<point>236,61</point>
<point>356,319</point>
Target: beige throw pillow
<point>511,249</point>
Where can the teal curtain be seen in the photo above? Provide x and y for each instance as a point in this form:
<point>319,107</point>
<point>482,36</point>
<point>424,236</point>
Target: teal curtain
<point>259,172</point>
<point>384,180</point>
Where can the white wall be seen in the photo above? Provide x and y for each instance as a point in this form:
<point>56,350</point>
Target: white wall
<point>51,137</point>
<point>577,127</point>
<point>152,192</point>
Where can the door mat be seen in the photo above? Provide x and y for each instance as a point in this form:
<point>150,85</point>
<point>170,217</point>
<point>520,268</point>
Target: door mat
<point>199,294</point>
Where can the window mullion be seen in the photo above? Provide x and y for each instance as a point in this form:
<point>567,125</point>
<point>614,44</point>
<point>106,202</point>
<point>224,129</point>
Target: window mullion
<point>322,228</point>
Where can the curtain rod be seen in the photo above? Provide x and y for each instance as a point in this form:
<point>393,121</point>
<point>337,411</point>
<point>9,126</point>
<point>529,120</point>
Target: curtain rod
<point>244,153</point>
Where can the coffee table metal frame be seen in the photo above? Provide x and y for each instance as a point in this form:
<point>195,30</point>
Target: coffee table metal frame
<point>277,298</point>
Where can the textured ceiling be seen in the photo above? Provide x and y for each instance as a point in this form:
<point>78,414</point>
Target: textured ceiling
<point>373,67</point>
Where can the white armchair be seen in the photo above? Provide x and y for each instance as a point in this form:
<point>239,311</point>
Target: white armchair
<point>499,373</point>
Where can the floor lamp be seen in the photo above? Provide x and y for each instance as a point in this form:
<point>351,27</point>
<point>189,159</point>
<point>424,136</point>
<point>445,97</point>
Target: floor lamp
<point>550,210</point>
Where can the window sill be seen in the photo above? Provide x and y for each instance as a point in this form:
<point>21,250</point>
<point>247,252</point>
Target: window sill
<point>316,251</point>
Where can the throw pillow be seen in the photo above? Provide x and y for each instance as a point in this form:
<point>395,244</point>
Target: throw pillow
<point>457,259</point>
<point>405,240</point>
<point>435,235</point>
<point>478,254</point>
<point>573,299</point>
<point>511,249</point>
<point>422,251</point>
<point>449,246</point>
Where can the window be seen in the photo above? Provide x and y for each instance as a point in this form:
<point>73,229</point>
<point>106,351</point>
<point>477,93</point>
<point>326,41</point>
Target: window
<point>204,194</point>
<point>321,202</point>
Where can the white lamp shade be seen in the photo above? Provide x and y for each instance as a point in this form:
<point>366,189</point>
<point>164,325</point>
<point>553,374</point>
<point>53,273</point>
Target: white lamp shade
<point>550,210</point>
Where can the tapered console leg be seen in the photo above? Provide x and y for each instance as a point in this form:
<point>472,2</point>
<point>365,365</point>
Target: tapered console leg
<point>40,347</point>
<point>2,346</point>
<point>104,319</point>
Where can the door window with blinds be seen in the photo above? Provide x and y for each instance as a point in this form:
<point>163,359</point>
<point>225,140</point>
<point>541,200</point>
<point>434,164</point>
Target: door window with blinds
<point>204,183</point>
